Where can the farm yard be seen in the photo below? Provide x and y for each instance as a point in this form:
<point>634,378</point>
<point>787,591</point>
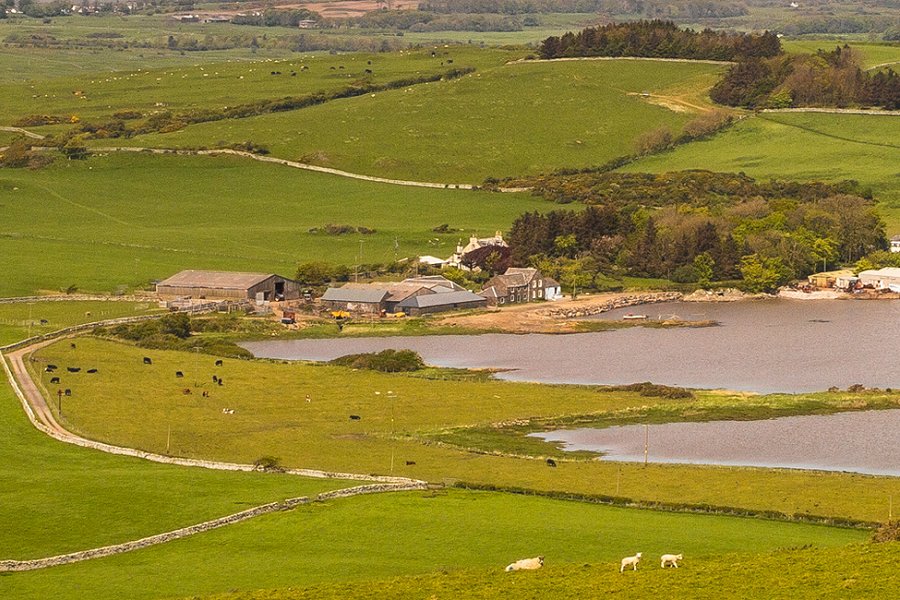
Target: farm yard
<point>115,222</point>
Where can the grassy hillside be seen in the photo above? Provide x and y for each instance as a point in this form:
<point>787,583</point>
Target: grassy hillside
<point>518,119</point>
<point>134,404</point>
<point>873,54</point>
<point>382,536</point>
<point>855,571</point>
<point>815,147</point>
<point>129,219</point>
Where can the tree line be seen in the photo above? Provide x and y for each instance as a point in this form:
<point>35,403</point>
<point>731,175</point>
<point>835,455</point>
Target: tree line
<point>685,9</point>
<point>660,39</point>
<point>834,78</point>
<point>694,226</point>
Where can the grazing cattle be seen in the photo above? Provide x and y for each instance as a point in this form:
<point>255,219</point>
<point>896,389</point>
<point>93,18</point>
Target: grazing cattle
<point>293,73</point>
<point>72,345</point>
<point>54,380</point>
<point>355,417</point>
<point>630,561</point>
<point>186,391</point>
<point>551,462</point>
<point>45,322</point>
<point>332,68</point>
<point>50,368</point>
<point>341,67</point>
<point>179,374</point>
<point>215,379</point>
<point>304,68</point>
<point>205,394</point>
<point>68,392</point>
<point>221,380</point>
<point>369,71</point>
<point>92,371</point>
<point>670,559</point>
<point>433,54</point>
<point>147,360</point>
<point>218,363</point>
<point>73,369</point>
<point>410,462</point>
<point>368,62</point>
<point>526,564</point>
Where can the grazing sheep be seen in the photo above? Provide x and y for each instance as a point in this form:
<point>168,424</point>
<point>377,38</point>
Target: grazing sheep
<point>526,564</point>
<point>630,561</point>
<point>551,462</point>
<point>227,411</point>
<point>670,559</point>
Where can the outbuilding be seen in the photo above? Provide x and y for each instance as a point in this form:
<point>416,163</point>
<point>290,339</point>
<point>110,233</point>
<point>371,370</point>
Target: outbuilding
<point>229,285</point>
<point>355,299</point>
<point>887,278</point>
<point>432,303</point>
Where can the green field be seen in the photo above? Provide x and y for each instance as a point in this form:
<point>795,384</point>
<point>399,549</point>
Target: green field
<point>272,418</point>
<point>203,83</point>
<point>873,54</point>
<point>125,220</point>
<point>24,319</point>
<point>810,147</point>
<point>494,122</point>
<point>58,498</point>
<point>859,571</point>
<point>381,536</point>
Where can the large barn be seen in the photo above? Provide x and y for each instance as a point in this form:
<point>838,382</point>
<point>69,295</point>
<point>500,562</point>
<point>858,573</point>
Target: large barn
<point>228,285</point>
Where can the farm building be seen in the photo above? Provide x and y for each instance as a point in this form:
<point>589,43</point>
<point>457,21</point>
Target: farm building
<point>439,302</point>
<point>355,299</point>
<point>402,296</point>
<point>228,285</point>
<point>895,243</point>
<point>828,279</point>
<point>519,285</point>
<point>475,243</point>
<point>881,279</point>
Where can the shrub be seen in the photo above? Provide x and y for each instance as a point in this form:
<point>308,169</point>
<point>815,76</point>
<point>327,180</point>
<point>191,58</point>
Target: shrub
<point>267,463</point>
<point>654,390</point>
<point>887,532</point>
<point>386,361</point>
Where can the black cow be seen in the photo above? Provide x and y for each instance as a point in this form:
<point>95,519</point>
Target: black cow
<point>221,380</point>
<point>218,363</point>
<point>410,462</point>
<point>179,374</point>
<point>368,71</point>
<point>54,380</point>
<point>551,462</point>
<point>50,368</point>
<point>68,392</point>
<point>72,345</point>
<point>355,417</point>
<point>73,369</point>
<point>45,322</point>
<point>147,360</point>
<point>92,371</point>
<point>215,379</point>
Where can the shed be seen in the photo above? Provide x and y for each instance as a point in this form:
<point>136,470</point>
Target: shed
<point>828,279</point>
<point>355,299</point>
<point>229,285</point>
<point>432,303</point>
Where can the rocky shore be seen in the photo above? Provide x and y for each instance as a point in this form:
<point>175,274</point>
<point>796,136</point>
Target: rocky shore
<point>574,312</point>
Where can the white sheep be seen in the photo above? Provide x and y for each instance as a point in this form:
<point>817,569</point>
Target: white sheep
<point>670,559</point>
<point>526,564</point>
<point>631,561</point>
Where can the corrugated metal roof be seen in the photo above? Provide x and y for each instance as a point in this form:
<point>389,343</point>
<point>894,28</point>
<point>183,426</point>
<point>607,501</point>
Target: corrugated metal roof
<point>345,294</point>
<point>430,300</point>
<point>227,280</point>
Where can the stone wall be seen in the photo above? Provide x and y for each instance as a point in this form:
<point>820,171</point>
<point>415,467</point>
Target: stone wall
<point>620,302</point>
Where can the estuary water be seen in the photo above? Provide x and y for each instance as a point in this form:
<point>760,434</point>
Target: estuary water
<point>860,442</point>
<point>761,346</point>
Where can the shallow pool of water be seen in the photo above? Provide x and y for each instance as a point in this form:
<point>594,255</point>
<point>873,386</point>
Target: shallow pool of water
<point>860,442</point>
